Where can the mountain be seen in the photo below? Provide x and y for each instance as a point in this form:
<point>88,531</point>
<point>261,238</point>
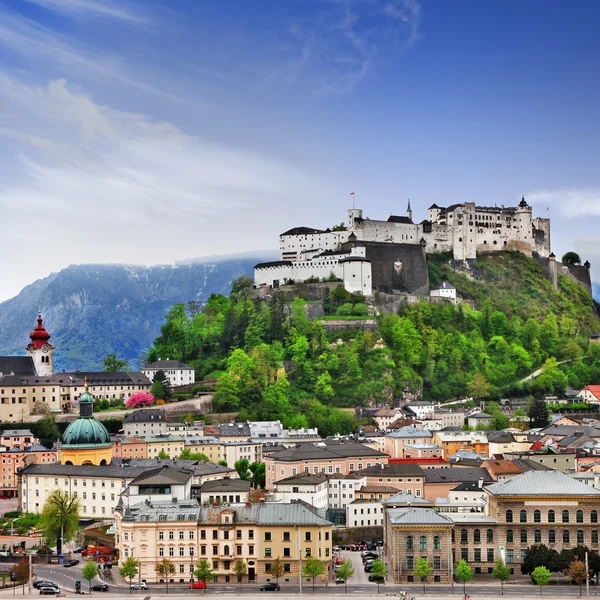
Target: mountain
<point>92,310</point>
<point>596,291</point>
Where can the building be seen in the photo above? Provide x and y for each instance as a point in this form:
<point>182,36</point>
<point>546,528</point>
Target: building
<point>444,290</point>
<point>364,512</point>
<point>441,418</point>
<point>306,487</point>
<point>397,442</point>
<point>186,532</point>
<point>329,458</point>
<point>128,447</point>
<point>234,451</point>
<point>385,416</point>
<point>145,422</point>
<point>421,409</point>
<point>16,458</point>
<point>234,432</point>
<point>40,349</point>
<point>210,446</point>
<point>406,478</point>
<point>479,420</point>
<point>439,482</point>
<point>177,372</point>
<point>171,445</point>
<point>223,491</point>
<point>17,437</point>
<point>454,441</point>
<point>565,462</point>
<point>590,394</point>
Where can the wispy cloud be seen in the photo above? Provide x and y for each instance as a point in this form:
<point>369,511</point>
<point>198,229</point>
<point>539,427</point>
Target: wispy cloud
<point>569,202</point>
<point>96,9</point>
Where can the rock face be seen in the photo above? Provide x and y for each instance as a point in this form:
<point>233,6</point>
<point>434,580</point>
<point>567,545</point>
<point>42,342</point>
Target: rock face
<point>92,310</point>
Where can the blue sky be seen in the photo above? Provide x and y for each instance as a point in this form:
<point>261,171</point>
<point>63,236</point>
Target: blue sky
<point>149,132</point>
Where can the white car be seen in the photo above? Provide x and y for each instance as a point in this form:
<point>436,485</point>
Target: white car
<point>137,586</point>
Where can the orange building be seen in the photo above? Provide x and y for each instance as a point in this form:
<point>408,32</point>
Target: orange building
<point>15,459</point>
<point>129,447</point>
<point>452,442</point>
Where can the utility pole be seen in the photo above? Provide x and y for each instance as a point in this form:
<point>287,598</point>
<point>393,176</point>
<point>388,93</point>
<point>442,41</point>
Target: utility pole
<point>587,576</point>
<point>299,558</point>
<point>30,571</point>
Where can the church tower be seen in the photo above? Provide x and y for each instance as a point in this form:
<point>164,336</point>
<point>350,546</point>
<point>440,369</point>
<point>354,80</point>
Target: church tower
<point>409,210</point>
<point>40,349</point>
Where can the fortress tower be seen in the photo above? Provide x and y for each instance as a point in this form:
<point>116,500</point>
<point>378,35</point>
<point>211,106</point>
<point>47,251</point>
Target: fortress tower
<point>40,349</point>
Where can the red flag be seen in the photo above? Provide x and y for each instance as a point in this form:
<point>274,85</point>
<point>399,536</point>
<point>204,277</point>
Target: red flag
<point>352,193</point>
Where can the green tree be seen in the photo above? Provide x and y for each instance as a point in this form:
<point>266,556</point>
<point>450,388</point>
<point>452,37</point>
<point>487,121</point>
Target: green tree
<point>241,286</point>
<point>577,572</point>
<point>258,471</point>
<point>463,573</point>
<point>479,386</point>
<point>187,454</point>
<point>539,555</point>
<point>47,430</point>
<point>423,570</point>
<point>541,576</point>
<point>130,569</point>
<point>345,572</point>
<point>277,569</point>
<point>60,518</point>
<point>571,258</point>
<point>241,570</point>
<point>112,364</point>
<point>242,468</point>
<point>501,572</point>
<point>537,411</point>
<point>203,571</point>
<point>164,568</point>
<point>313,568</point>
<point>163,454</point>
<point>161,384</point>
<point>89,571</point>
<point>379,571</point>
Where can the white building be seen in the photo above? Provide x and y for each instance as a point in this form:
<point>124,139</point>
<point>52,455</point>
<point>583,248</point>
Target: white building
<point>177,372</point>
<point>234,451</point>
<point>343,489</point>
<point>443,290</point>
<point>421,408</point>
<point>145,422</point>
<point>310,488</point>
<point>364,513</point>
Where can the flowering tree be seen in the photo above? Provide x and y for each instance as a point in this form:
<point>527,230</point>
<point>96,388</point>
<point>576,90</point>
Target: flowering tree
<point>140,399</point>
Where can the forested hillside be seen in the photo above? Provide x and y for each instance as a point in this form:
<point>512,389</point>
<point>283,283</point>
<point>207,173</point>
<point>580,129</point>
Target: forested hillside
<point>273,366</point>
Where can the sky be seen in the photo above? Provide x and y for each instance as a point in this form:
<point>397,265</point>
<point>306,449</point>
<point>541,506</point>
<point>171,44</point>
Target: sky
<point>150,132</point>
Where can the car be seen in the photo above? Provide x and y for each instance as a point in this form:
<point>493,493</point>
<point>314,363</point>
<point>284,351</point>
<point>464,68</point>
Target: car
<point>336,548</point>
<point>270,587</point>
<point>79,549</point>
<point>70,563</point>
<point>38,583</point>
<point>370,557</point>
<point>339,560</point>
<point>197,585</point>
<point>371,546</point>
<point>340,580</point>
<point>368,567</point>
<point>46,590</point>
<point>376,579</point>
<point>345,547</point>
<point>137,586</point>
<point>100,587</point>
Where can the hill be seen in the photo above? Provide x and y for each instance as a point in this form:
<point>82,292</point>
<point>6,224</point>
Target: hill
<point>93,310</point>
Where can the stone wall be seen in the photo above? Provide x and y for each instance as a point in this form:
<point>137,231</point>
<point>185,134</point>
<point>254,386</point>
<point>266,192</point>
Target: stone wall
<point>342,324</point>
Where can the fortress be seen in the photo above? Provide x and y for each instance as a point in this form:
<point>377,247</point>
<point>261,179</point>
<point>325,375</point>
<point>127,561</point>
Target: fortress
<point>390,256</point>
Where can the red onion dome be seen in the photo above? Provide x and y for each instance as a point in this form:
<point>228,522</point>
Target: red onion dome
<point>39,336</point>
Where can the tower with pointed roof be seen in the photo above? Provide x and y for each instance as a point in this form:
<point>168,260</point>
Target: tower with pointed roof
<point>40,349</point>
<point>409,210</point>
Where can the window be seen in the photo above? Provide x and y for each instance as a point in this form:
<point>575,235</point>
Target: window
<point>161,551</point>
<point>409,542</point>
<point>565,516</point>
<point>181,535</point>
<point>191,536</point>
<point>203,534</point>
<point>267,567</point>
<point>477,536</point>
<point>436,543</point>
<point>286,536</point>
<point>489,535</point>
<point>307,536</point>
<point>463,536</point>
<point>537,536</point>
<point>250,534</point>
<point>523,536</point>
<point>251,550</point>
<point>509,536</point>
<point>215,534</point>
<point>203,550</point>
<point>523,516</point>
<point>490,555</point>
<point>566,537</point>
<point>267,552</point>
<point>510,556</point>
<point>422,543</point>
<point>580,536</point>
<point>267,536</point>
<point>594,536</point>
<point>308,553</point>
<point>410,563</point>
<point>509,516</point>
<point>464,554</point>
<point>181,551</point>
<point>552,537</point>
<point>215,549</point>
<point>579,516</point>
<point>551,517</point>
<point>594,516</point>
<point>437,562</point>
<point>477,555</point>
<point>287,552</point>
<point>171,551</point>
<point>161,535</point>
<point>537,516</point>
<point>171,535</point>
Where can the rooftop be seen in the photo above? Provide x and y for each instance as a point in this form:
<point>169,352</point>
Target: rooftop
<point>393,470</point>
<point>416,516</point>
<point>409,432</point>
<point>145,415</point>
<point>168,364</point>
<point>329,451</point>
<point>437,475</point>
<point>542,483</point>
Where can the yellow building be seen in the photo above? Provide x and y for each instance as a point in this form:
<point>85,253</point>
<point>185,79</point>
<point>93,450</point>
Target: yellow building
<point>172,445</point>
<point>208,446</point>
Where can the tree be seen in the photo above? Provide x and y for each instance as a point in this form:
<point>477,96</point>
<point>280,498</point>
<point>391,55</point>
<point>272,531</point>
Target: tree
<point>203,571</point>
<point>129,569</point>
<point>537,412</point>
<point>60,517</point>
<point>47,430</point>
<point>463,573</point>
<point>112,364</point>
<point>164,568</point>
<point>277,569</point>
<point>241,466</point>
<point>479,386</point>
<point>541,576</point>
<point>89,571</point>
<point>163,454</point>
<point>19,572</point>
<point>577,572</point>
<point>423,570</point>
<point>571,258</point>
<point>139,399</point>
<point>539,555</point>
<point>240,569</point>
<point>501,572</point>
<point>187,454</point>
<point>345,572</point>
<point>258,471</point>
<point>312,568</point>
<point>379,571</point>
<point>164,387</point>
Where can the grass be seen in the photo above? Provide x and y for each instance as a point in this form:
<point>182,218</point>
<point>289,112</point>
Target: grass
<point>343,318</point>
<point>216,374</point>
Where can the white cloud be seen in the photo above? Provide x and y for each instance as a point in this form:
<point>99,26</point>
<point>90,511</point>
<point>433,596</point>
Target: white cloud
<point>570,202</point>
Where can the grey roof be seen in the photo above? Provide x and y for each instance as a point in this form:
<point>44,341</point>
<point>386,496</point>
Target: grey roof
<point>500,437</point>
<point>33,448</point>
<point>330,451</point>
<point>234,429</point>
<point>568,430</point>
<point>162,510</point>
<point>444,285</point>
<point>288,514</point>
<point>530,465</point>
<point>416,516</point>
<point>304,478</point>
<point>94,378</point>
<point>467,486</point>
<point>168,364</point>
<point>480,415</point>
<point>541,483</point>
<point>16,433</point>
<point>407,499</point>
<point>19,365</point>
<point>419,403</point>
<point>409,432</point>
<point>145,415</point>
<point>394,470</point>
<point>469,517</point>
<point>225,485</point>
<point>437,475</point>
<point>163,476</point>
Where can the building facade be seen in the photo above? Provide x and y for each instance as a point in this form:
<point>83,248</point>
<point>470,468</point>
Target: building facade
<point>177,372</point>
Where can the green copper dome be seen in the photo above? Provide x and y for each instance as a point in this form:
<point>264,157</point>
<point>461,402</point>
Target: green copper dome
<point>86,432</point>
<point>86,397</point>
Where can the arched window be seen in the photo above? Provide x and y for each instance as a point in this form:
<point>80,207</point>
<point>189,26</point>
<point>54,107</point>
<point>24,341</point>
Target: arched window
<point>226,550</point>
<point>436,542</point>
<point>551,516</point>
<point>490,535</point>
<point>594,516</point>
<point>565,516</point>
<point>552,537</point>
<point>409,542</point>
<point>537,516</point>
<point>579,516</point>
<point>523,536</point>
<point>509,536</point>
<point>509,517</point>
<point>594,536</point>
<point>566,537</point>
<point>537,536</point>
<point>477,536</point>
<point>463,536</point>
<point>523,516</point>
<point>580,536</point>
<point>422,543</point>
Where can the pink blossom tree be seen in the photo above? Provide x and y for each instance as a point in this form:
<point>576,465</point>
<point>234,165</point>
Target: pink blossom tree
<point>140,399</point>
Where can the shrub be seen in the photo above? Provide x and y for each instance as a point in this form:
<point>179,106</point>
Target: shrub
<point>105,403</point>
<point>140,399</point>
<point>360,310</point>
<point>344,310</point>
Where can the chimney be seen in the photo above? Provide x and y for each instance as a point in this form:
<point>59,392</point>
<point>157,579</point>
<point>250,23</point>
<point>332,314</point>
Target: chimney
<point>480,482</point>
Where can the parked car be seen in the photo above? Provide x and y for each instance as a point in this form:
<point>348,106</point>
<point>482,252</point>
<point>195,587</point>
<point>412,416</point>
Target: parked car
<point>368,567</point>
<point>197,585</point>
<point>371,546</point>
<point>49,591</point>
<point>376,578</point>
<point>336,548</point>
<point>340,580</point>
<point>269,587</point>
<point>339,560</point>
<point>38,583</point>
<point>70,563</point>
<point>79,549</point>
<point>137,586</point>
<point>345,547</point>
<point>100,587</point>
